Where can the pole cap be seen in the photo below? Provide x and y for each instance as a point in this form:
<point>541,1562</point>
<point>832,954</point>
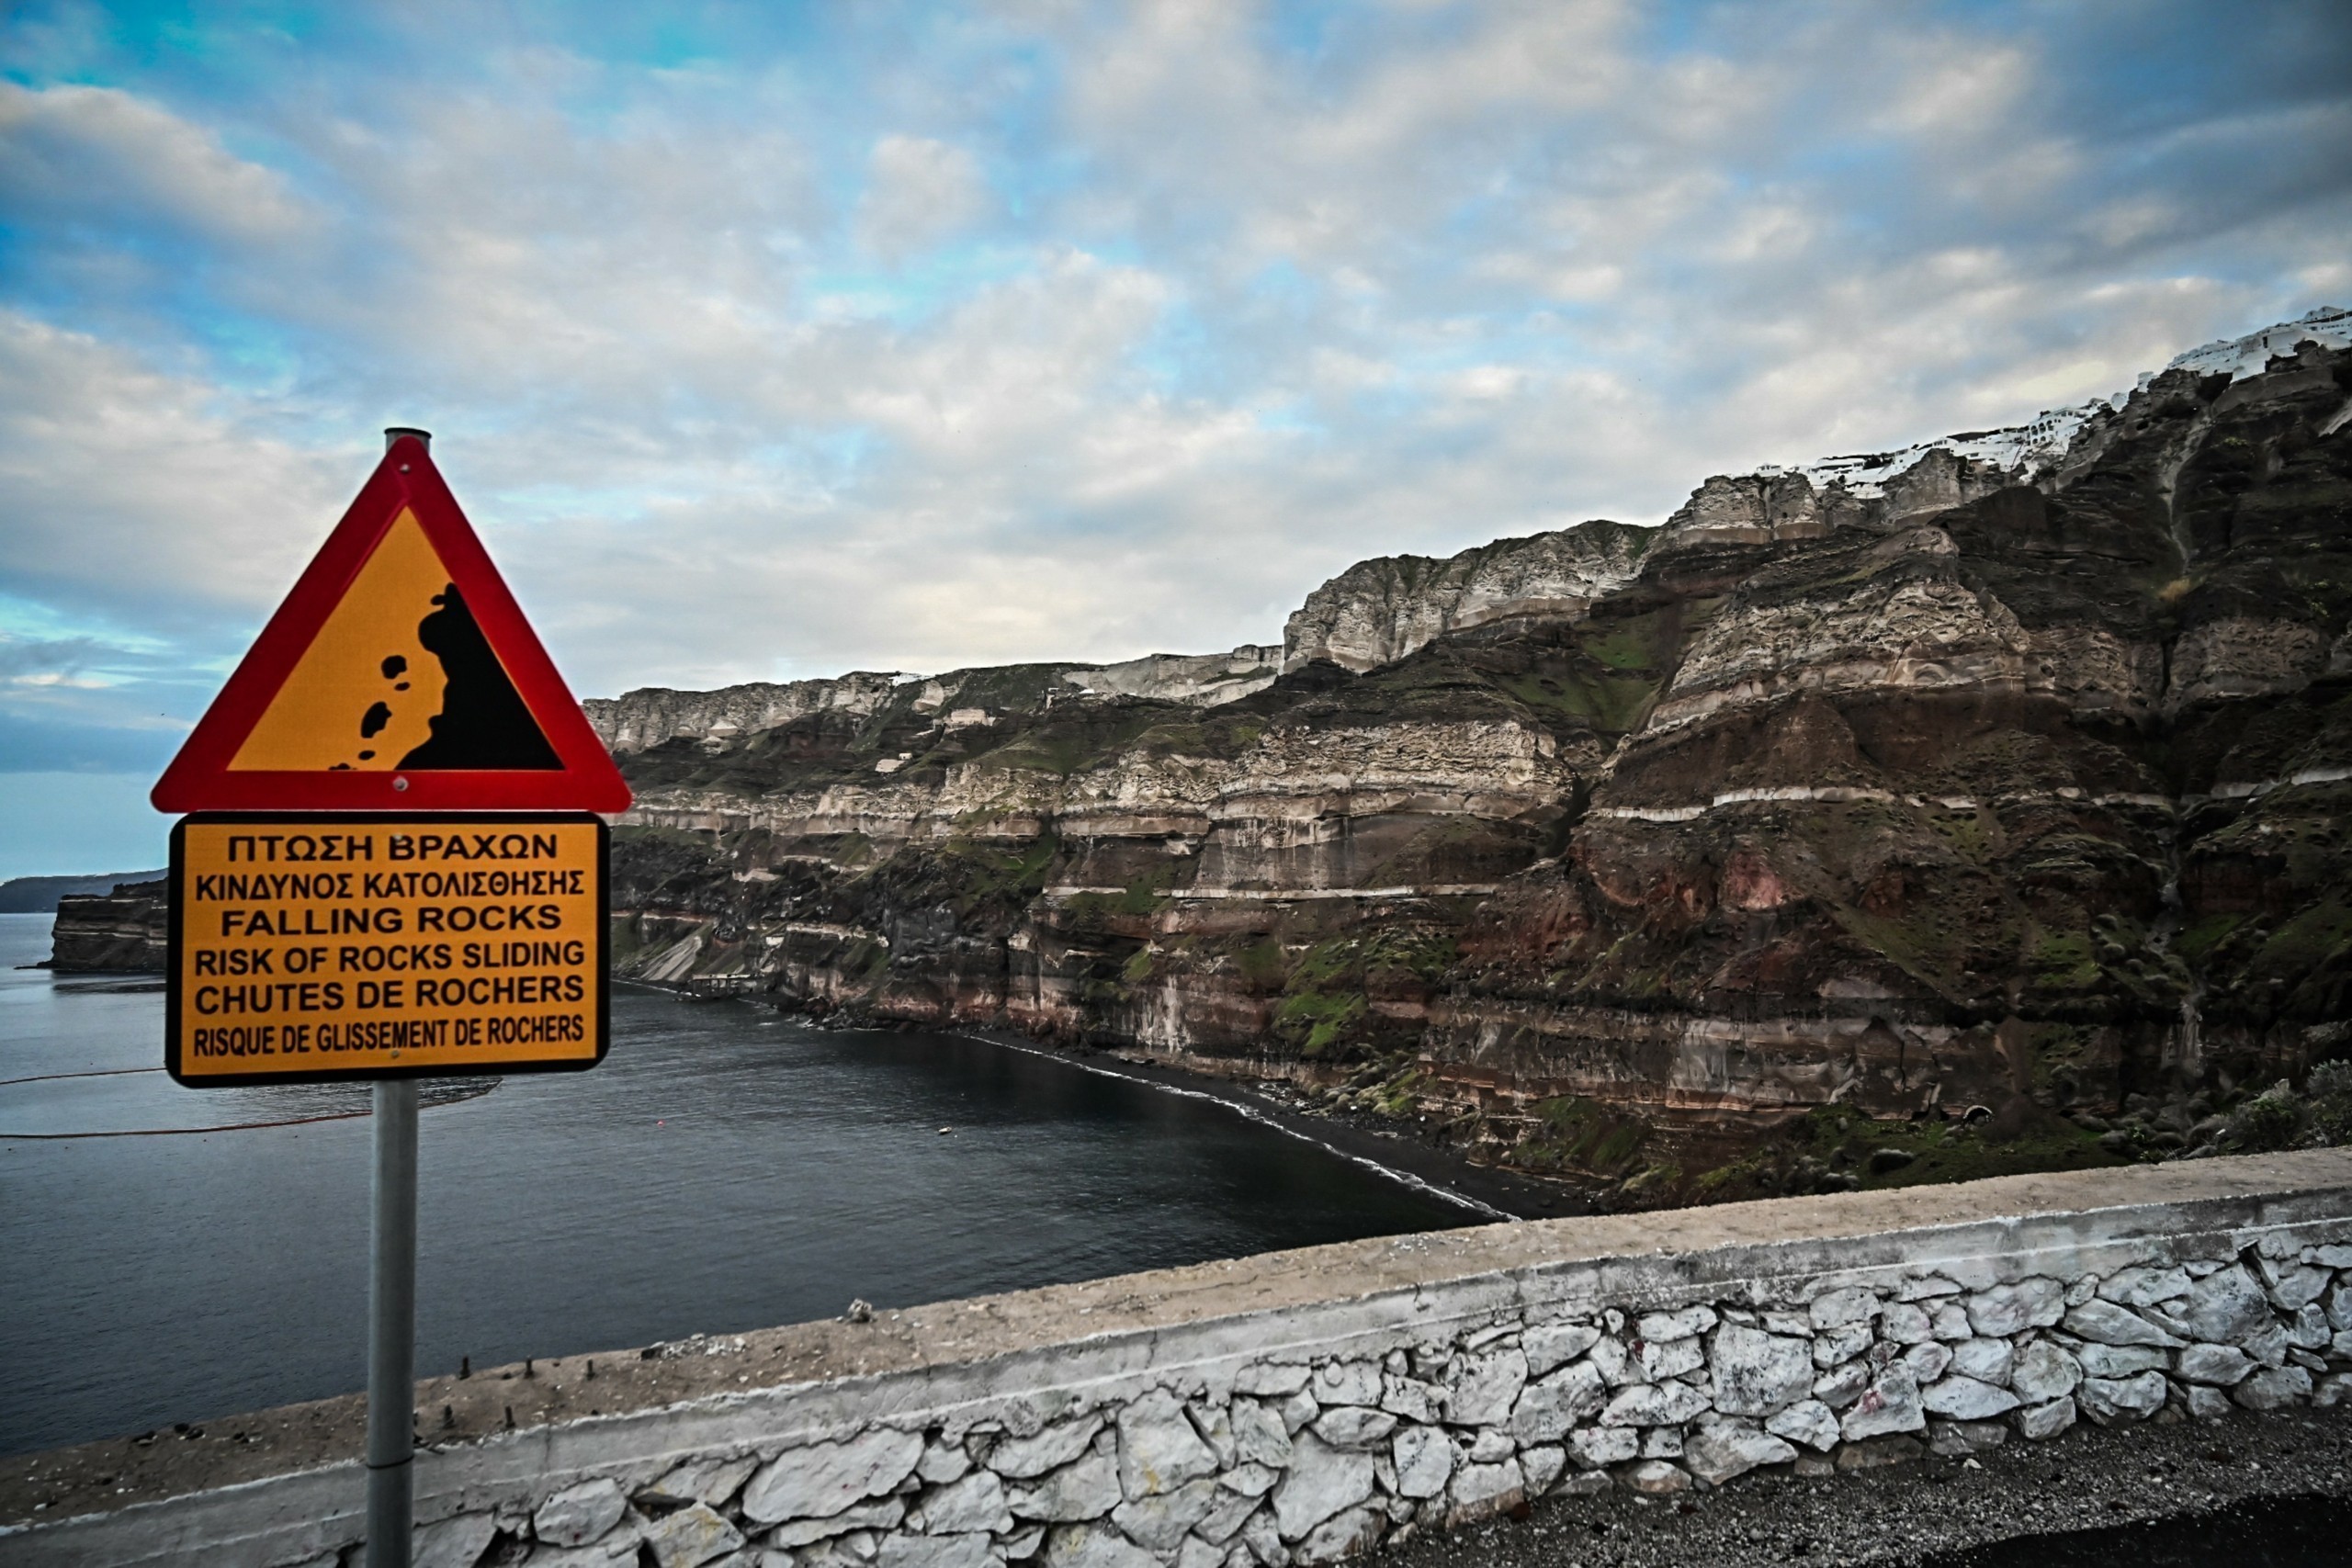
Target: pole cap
<point>394,431</point>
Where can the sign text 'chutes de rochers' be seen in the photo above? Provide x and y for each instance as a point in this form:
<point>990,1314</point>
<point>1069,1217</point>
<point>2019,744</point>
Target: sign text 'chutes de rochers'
<point>391,869</point>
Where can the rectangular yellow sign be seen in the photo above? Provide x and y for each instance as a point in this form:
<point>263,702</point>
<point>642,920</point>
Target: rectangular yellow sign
<point>344,945</point>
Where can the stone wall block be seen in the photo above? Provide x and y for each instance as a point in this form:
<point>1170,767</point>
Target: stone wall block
<point>2339,1307</point>
<point>1410,1398</point>
<point>1542,1464</point>
<point>2043,1371</point>
<point>697,1533</point>
<point>1424,1462</point>
<point>2223,1308</point>
<point>1843,1385</point>
<point>1596,1447</point>
<point>1161,1520</point>
<point>825,1478</point>
<point>1480,1491</point>
<point>1250,1480</point>
<point>1986,1360</point>
<point>578,1515</point>
<point>1490,1446</point>
<point>1835,1309</point>
<point>2274,1388</point>
<point>1093,1546</point>
<point>1345,1535</point>
<point>1159,1449</point>
<point>2113,1402</point>
<point>2223,1365</point>
<point>1485,1387</point>
<point>1653,1405</point>
<point>1966,1399</point>
<point>1809,1422</point>
<point>2309,1330</point>
<point>1354,1427</point>
<point>1259,1436</point>
<point>1214,1425</point>
<point>1959,1438</point>
<point>1262,1539</point>
<point>1721,1449</point>
<point>1927,1361</point>
<point>1661,1359</point>
<point>974,1503</point>
<point>1663,1327</point>
<point>1949,1321</point>
<point>454,1543</point>
<point>2294,1286</point>
<point>1758,1373</point>
<point>2143,1286</point>
<point>1346,1383</point>
<point>2121,1360</point>
<point>2104,1323</point>
<point>1905,1323</point>
<point>1322,1481</point>
<point>1554,1345</point>
<point>1658,1478</point>
<point>2004,1310</point>
<point>1616,1364</point>
<point>1836,1346</point>
<point>1890,1405</point>
<point>1550,1406</point>
<point>1271,1379</point>
<point>882,1515</point>
<point>1228,1514</point>
<point>1086,1488</point>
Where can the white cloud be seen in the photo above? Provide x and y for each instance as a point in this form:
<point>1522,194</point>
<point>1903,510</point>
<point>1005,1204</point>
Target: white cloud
<point>132,497</point>
<point>77,152</point>
<point>742,380</point>
<point>919,193</point>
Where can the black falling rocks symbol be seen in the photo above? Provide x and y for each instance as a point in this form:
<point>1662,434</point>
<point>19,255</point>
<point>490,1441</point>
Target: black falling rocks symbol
<point>483,722</point>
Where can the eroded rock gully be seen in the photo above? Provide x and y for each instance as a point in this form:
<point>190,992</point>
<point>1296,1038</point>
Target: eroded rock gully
<point>1935,789</point>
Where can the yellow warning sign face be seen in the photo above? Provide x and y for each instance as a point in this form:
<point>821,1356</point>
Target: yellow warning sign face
<point>344,945</point>
<point>398,676</point>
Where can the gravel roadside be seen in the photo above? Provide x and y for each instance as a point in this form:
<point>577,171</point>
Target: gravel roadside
<point>2000,1508</point>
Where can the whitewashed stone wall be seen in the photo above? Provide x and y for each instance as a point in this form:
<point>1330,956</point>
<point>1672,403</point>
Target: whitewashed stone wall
<point>1427,1390</point>
<point>1308,1461</point>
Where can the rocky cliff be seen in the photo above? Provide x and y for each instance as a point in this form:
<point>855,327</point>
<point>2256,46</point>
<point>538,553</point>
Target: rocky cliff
<point>2004,776</point>
<point>124,930</point>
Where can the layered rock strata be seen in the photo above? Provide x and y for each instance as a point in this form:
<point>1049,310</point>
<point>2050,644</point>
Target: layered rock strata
<point>1899,788</point>
<point>125,929</point>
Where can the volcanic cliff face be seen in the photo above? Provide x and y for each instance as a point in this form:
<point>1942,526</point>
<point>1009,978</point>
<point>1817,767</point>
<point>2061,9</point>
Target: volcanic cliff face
<point>2009,771</point>
<point>127,928</point>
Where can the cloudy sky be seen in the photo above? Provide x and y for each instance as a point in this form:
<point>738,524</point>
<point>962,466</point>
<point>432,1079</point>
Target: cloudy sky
<point>765,340</point>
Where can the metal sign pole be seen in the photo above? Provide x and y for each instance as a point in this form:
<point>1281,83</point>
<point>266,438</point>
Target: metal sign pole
<point>391,1328</point>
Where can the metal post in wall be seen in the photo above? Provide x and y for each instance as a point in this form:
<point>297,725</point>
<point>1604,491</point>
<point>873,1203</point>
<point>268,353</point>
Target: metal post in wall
<point>391,1328</point>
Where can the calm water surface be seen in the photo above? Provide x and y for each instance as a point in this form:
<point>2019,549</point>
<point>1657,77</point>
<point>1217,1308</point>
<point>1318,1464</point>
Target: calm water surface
<point>723,1171</point>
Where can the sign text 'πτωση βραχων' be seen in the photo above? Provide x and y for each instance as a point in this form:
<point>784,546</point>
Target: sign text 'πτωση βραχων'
<point>350,947</point>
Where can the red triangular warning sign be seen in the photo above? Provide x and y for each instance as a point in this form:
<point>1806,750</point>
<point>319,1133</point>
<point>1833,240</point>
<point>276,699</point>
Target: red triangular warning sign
<point>398,675</point>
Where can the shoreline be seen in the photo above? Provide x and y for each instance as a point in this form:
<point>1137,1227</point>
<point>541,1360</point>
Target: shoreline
<point>1488,1194</point>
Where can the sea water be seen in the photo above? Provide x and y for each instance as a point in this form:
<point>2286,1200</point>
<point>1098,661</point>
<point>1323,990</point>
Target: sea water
<point>176,1255</point>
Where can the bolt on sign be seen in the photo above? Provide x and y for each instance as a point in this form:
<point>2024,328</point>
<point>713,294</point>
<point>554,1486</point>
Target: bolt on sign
<point>392,867</point>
